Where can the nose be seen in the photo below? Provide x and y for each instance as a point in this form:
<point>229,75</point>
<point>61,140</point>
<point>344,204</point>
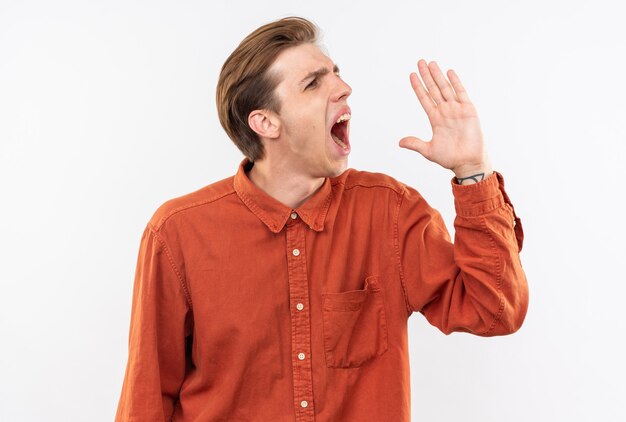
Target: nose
<point>342,90</point>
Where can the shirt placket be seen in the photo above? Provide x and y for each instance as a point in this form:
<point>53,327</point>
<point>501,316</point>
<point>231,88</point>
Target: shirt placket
<point>300,320</point>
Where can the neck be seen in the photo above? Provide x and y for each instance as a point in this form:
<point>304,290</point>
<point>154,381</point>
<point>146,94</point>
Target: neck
<point>283,183</point>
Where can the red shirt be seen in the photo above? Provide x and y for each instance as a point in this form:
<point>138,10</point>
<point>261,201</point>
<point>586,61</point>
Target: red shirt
<point>245,309</point>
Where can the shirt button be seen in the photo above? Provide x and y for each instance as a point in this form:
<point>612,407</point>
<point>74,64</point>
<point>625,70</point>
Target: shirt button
<point>301,356</point>
<point>294,215</point>
<point>296,252</point>
<point>299,306</point>
<point>304,403</point>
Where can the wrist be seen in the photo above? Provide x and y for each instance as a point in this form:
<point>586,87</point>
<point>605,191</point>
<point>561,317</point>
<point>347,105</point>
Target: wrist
<point>472,173</point>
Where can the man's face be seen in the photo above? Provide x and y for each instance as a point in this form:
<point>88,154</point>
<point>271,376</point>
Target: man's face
<point>312,97</point>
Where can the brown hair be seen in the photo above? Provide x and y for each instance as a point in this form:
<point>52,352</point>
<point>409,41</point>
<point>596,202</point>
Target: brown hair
<point>245,85</point>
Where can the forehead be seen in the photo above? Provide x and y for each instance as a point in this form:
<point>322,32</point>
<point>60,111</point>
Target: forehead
<point>294,63</point>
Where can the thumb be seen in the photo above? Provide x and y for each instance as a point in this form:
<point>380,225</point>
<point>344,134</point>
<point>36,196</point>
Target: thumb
<point>416,144</point>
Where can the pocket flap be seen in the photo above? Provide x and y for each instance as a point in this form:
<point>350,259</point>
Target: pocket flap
<point>350,300</point>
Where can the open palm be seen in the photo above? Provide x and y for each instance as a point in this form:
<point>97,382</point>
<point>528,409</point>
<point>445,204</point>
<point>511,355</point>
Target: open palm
<point>457,141</point>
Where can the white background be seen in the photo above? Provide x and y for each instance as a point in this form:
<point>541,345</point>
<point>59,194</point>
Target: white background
<point>107,110</point>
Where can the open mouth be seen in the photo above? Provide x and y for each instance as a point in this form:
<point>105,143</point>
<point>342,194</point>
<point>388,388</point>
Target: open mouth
<point>339,131</point>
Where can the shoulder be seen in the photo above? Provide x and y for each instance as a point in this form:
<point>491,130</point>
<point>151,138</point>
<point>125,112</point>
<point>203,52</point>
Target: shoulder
<point>200,197</point>
<point>352,178</point>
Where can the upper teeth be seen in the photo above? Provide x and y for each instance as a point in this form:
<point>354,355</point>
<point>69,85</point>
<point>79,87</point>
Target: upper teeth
<point>344,117</point>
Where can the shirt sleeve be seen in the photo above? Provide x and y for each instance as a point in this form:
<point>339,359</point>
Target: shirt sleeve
<point>476,284</point>
<point>159,327</point>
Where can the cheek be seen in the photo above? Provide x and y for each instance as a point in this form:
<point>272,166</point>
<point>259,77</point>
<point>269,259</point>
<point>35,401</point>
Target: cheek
<point>307,121</point>
<point>309,126</point>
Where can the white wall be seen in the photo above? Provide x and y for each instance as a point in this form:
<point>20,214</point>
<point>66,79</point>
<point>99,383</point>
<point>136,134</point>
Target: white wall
<point>107,110</point>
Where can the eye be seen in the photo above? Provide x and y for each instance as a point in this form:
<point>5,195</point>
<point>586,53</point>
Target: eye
<point>313,84</point>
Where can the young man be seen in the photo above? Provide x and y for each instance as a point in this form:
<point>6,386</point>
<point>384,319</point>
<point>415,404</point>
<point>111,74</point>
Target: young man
<point>282,293</point>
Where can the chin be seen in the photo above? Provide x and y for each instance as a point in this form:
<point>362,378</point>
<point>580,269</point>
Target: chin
<point>339,169</point>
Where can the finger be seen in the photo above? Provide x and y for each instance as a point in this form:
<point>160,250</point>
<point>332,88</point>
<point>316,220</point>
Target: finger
<point>458,87</point>
<point>416,144</point>
<point>442,82</point>
<point>422,95</point>
<point>433,89</point>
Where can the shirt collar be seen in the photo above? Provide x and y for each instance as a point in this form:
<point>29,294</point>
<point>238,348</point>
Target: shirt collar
<point>273,212</point>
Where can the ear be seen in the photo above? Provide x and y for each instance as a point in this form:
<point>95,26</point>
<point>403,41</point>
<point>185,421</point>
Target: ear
<point>265,123</point>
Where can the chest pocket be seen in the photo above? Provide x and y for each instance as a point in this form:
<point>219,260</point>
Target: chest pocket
<point>355,327</point>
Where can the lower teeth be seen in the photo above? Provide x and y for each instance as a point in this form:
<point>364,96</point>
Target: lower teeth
<point>339,142</point>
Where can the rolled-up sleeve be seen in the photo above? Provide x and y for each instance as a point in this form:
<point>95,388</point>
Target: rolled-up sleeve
<point>476,284</point>
<point>159,327</point>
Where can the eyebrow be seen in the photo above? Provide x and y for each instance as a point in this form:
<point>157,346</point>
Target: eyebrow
<point>317,73</point>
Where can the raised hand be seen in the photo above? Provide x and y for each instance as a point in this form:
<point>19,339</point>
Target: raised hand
<point>457,141</point>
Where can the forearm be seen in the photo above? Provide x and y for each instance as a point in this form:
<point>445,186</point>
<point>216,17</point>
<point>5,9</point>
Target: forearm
<point>487,244</point>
